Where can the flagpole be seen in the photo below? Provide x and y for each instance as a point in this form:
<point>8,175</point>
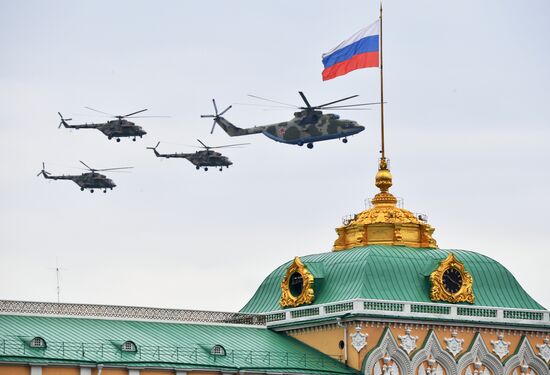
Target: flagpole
<point>382,151</point>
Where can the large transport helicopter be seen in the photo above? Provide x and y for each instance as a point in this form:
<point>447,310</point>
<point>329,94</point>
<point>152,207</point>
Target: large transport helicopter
<point>308,126</point>
<point>89,180</point>
<point>118,128</point>
<point>203,158</point>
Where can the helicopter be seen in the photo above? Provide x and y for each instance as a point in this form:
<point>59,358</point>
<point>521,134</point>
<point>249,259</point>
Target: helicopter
<point>89,180</point>
<point>309,125</point>
<point>118,128</point>
<point>203,158</point>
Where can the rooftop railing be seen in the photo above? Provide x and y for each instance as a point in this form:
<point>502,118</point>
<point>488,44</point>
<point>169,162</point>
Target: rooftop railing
<point>128,312</point>
<point>412,311</point>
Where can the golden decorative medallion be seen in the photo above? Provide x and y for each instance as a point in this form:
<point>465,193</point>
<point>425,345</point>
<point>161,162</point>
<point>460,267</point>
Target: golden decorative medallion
<point>297,286</point>
<point>451,282</point>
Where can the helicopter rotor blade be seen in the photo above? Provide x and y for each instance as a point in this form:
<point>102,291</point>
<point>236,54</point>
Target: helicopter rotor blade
<point>87,166</point>
<point>351,105</point>
<point>225,110</point>
<point>264,105</point>
<point>112,169</point>
<point>305,100</point>
<point>205,116</point>
<point>133,113</point>
<point>273,101</point>
<point>213,126</point>
<point>336,101</point>
<point>215,106</point>
<point>96,110</point>
<point>42,171</point>
<point>232,145</point>
<point>205,146</point>
<point>149,116</point>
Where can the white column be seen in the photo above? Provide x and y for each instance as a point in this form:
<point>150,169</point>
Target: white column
<point>133,372</point>
<point>85,371</point>
<point>36,370</point>
<point>179,372</point>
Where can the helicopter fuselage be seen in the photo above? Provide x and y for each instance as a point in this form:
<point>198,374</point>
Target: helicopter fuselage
<point>306,127</point>
<point>91,180</point>
<point>118,128</point>
<point>203,158</point>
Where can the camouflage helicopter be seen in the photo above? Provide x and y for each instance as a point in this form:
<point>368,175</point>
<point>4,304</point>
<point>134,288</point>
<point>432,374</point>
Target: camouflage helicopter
<point>309,125</point>
<point>114,128</point>
<point>89,180</point>
<point>203,158</point>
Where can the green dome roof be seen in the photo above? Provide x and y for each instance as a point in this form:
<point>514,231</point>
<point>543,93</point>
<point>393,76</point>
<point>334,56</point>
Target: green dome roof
<point>394,273</point>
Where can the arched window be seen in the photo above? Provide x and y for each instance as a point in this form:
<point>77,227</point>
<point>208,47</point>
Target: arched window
<point>217,350</point>
<point>129,346</point>
<point>38,342</point>
<point>430,367</point>
<point>477,368</point>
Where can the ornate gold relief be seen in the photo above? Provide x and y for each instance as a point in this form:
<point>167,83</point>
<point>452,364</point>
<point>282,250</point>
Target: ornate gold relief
<point>384,223</point>
<point>297,286</point>
<point>445,279</point>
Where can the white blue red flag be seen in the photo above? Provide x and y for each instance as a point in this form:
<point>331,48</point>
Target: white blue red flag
<point>361,50</point>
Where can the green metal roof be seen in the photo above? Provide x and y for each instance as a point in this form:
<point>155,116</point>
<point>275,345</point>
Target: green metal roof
<point>395,273</point>
<point>174,345</point>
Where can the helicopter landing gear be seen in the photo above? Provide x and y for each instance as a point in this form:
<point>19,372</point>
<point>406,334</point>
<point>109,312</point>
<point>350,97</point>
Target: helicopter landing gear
<point>105,190</point>
<point>205,169</point>
<point>109,137</point>
<point>310,145</point>
<point>118,139</point>
<point>91,190</point>
<point>81,189</point>
<point>134,139</point>
<point>198,167</point>
<point>345,140</point>
<point>300,144</point>
<point>221,169</point>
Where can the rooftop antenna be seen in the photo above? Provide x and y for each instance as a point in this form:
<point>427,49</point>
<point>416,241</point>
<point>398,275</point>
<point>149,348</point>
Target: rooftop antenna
<point>58,277</point>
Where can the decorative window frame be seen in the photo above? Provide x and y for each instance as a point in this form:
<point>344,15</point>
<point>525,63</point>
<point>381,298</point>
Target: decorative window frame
<point>307,296</point>
<point>438,291</point>
<point>525,355</point>
<point>387,346</point>
<point>478,350</point>
<point>432,349</point>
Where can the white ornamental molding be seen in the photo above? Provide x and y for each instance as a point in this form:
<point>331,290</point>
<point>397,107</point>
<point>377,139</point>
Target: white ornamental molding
<point>408,342</point>
<point>501,347</point>
<point>358,339</point>
<point>454,345</point>
<point>544,350</point>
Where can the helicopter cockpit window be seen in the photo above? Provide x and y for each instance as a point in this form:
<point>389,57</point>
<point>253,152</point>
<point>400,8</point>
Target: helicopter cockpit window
<point>336,117</point>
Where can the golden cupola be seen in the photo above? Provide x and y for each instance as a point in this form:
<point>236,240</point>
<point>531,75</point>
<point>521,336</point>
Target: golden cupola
<point>384,223</point>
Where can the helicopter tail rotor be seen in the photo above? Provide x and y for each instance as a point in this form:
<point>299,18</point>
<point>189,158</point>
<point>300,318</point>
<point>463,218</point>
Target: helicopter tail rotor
<point>63,121</point>
<point>217,115</point>
<point>154,148</point>
<point>43,171</point>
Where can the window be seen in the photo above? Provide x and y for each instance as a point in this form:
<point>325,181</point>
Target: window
<point>38,342</point>
<point>217,350</point>
<point>129,346</point>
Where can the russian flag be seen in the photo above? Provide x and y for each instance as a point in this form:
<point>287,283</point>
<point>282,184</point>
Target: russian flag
<point>359,51</point>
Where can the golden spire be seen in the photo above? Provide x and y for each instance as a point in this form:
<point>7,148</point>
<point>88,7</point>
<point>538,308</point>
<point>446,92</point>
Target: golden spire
<point>384,223</point>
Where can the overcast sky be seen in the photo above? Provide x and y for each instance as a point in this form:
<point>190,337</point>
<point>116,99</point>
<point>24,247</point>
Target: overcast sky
<point>467,119</point>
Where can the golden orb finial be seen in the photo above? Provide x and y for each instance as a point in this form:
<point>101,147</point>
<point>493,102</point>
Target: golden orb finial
<point>384,182</point>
